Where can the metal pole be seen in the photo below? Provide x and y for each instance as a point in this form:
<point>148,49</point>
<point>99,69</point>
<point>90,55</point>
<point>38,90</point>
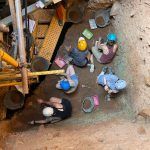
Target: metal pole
<point>26,31</point>
<point>7,58</point>
<point>14,22</point>
<point>13,13</point>
<point>31,74</point>
<point>22,53</point>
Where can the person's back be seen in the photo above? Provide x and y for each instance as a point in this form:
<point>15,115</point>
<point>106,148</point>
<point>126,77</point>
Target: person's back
<point>79,57</point>
<point>64,112</point>
<point>70,83</point>
<point>107,58</point>
<point>110,79</point>
<point>54,110</point>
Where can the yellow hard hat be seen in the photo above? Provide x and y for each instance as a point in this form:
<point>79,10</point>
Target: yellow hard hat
<point>82,45</point>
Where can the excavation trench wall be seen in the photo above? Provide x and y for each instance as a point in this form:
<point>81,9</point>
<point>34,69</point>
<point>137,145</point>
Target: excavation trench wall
<point>132,26</point>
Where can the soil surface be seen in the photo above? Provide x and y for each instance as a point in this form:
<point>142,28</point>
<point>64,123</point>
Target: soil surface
<point>110,135</point>
<point>86,127</point>
<point>47,88</point>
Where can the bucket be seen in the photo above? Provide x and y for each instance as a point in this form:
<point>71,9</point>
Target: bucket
<point>14,100</point>
<point>75,14</point>
<point>39,64</point>
<point>102,18</point>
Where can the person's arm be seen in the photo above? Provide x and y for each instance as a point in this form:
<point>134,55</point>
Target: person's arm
<point>112,91</point>
<point>88,56</point>
<point>47,120</point>
<point>104,48</point>
<point>68,48</point>
<point>71,82</point>
<point>38,122</point>
<point>40,101</point>
<point>115,48</point>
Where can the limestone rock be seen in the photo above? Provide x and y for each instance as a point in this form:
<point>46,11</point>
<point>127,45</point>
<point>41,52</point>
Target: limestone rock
<point>145,113</point>
<point>141,130</point>
<point>147,81</point>
<point>96,4</point>
<point>115,9</point>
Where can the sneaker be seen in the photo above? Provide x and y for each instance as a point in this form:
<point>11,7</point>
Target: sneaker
<point>107,98</point>
<point>104,69</point>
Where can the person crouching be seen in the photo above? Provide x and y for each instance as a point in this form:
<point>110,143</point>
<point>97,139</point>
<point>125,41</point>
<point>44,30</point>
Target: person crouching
<point>54,110</point>
<point>70,83</point>
<point>111,83</point>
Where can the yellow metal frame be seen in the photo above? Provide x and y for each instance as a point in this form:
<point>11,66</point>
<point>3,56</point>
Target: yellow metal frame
<point>7,58</point>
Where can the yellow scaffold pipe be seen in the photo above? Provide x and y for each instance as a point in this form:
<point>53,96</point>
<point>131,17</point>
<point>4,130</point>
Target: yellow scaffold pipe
<point>7,58</point>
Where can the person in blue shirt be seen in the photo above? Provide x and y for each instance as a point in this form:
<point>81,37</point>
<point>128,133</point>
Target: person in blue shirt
<point>70,83</point>
<point>80,55</point>
<point>110,82</point>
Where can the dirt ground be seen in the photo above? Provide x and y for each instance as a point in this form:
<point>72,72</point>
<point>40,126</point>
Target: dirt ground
<point>110,135</point>
<point>81,131</point>
<point>47,88</point>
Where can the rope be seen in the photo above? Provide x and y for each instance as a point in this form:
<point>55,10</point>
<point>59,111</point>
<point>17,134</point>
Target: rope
<point>90,109</point>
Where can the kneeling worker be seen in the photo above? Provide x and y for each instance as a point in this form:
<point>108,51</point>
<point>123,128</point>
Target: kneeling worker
<point>105,52</point>
<point>80,55</point>
<point>111,83</point>
<point>70,83</point>
<point>54,110</point>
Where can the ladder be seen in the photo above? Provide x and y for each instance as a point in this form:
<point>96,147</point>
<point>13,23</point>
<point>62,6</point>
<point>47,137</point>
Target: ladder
<point>52,36</point>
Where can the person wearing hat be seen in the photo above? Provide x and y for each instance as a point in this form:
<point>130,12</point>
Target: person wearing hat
<point>70,83</point>
<point>105,52</point>
<point>110,82</point>
<point>54,110</point>
<point>80,55</point>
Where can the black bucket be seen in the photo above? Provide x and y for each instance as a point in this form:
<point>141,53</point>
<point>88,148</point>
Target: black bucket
<point>14,100</point>
<point>74,14</point>
<point>39,64</point>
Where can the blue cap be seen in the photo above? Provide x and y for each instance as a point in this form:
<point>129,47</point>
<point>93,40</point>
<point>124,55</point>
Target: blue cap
<point>120,84</point>
<point>65,85</point>
<point>112,37</point>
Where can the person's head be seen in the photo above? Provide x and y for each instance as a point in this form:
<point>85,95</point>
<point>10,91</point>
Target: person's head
<point>111,39</point>
<point>120,84</point>
<point>48,111</point>
<point>82,44</point>
<point>65,85</point>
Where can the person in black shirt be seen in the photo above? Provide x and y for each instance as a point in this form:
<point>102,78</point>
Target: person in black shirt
<point>54,110</point>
